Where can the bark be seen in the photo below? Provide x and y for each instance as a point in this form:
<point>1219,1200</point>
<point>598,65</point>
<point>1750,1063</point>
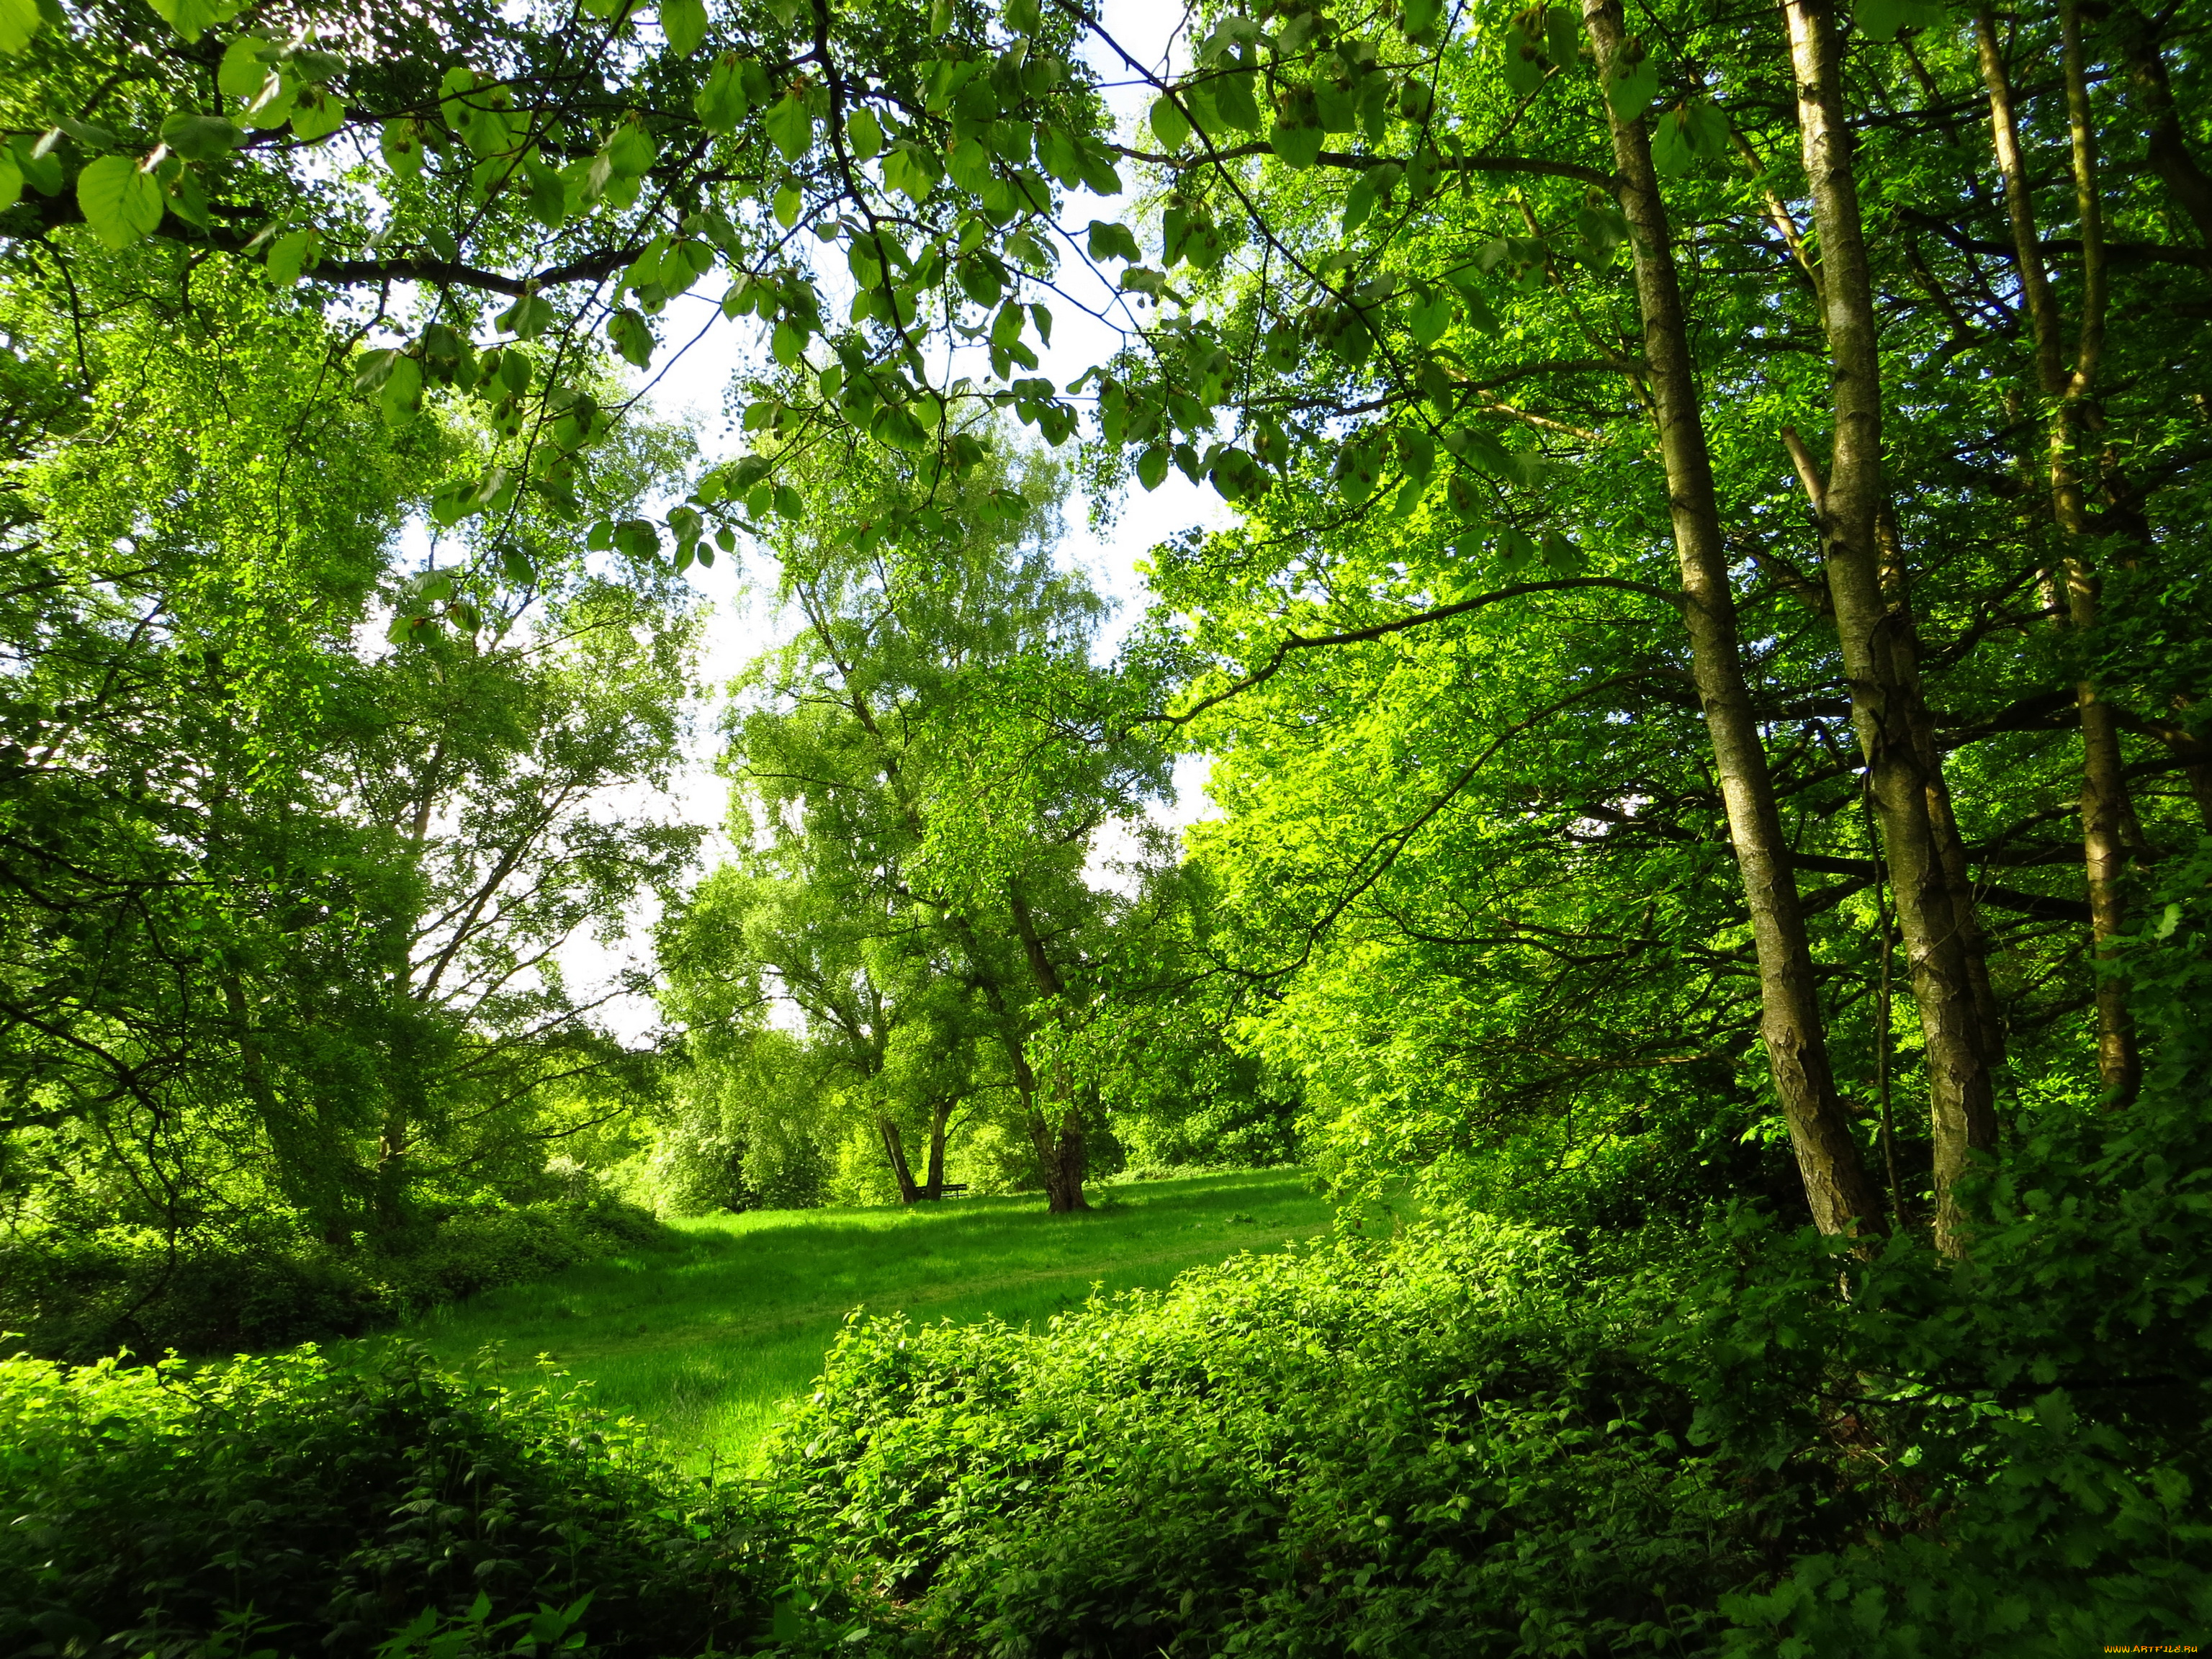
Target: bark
<point>1061,1159</point>
<point>895,1155</point>
<point>2105,812</point>
<point>1837,1188</point>
<point>940,1118</point>
<point>2167,151</point>
<point>1887,711</point>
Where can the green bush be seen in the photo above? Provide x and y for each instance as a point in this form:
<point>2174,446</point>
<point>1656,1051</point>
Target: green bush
<point>294,1505</point>
<point>79,1298</point>
<point>1485,1439</point>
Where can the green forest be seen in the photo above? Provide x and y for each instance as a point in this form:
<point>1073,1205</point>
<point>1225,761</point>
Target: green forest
<point>1661,775</point>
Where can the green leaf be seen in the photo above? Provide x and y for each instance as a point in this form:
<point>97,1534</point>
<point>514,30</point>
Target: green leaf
<point>401,142</point>
<point>527,318</point>
<point>200,138</point>
<point>19,22</point>
<point>42,173</point>
<point>1430,314</point>
<point>375,369</point>
<point>317,114</point>
<point>1299,147</point>
<point>1670,144</point>
<point>628,333</point>
<point>11,181</point>
<point>630,153</point>
<point>122,204</point>
<point>790,128</point>
<point>1169,125</point>
<point>243,71</point>
<point>1633,83</point>
<point>684,23</point>
<point>403,390</point>
<point>637,538</point>
<point>864,133</point>
<point>1705,128</point>
<point>722,102</point>
<point>546,195</point>
<point>786,206</point>
<point>193,18</point>
<point>1113,241</point>
<point>1152,467</point>
<point>1233,100</point>
<point>289,255</point>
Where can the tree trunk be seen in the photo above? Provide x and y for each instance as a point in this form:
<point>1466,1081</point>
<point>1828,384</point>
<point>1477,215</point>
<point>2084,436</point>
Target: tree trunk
<point>940,1118</point>
<point>1886,709</point>
<point>2167,151</point>
<point>1842,1196</point>
<point>2105,812</point>
<point>895,1155</point>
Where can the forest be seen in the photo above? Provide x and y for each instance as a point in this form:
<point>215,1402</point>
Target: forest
<point>1669,774</point>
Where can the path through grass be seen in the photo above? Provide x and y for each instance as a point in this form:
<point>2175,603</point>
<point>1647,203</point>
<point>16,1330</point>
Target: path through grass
<point>709,1335</point>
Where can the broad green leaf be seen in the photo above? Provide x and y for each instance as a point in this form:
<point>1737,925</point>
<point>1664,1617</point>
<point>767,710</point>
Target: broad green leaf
<point>546,195</point>
<point>1705,128</point>
<point>1670,144</point>
<point>721,103</point>
<point>790,128</point>
<point>1633,83</point>
<point>375,369</point>
<point>270,107</point>
<point>628,333</point>
<point>786,206</point>
<point>864,133</point>
<point>630,153</point>
<point>1429,315</point>
<point>193,18</point>
<point>403,390</point>
<point>42,172</point>
<point>1169,125</point>
<point>122,204</point>
<point>1113,241</point>
<point>401,142</point>
<point>290,255</point>
<point>243,70</point>
<point>19,22</point>
<point>684,23</point>
<point>788,343</point>
<point>1233,101</point>
<point>1299,147</point>
<point>1152,467</point>
<point>11,181</point>
<point>637,538</point>
<point>527,318</point>
<point>200,138</point>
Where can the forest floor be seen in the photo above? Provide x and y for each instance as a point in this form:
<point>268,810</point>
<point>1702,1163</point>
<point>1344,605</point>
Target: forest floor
<point>706,1336</point>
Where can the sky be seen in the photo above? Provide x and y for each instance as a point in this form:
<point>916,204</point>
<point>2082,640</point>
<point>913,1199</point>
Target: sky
<point>742,620</point>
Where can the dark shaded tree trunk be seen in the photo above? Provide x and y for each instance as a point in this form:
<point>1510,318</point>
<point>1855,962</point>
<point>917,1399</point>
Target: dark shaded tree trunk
<point>895,1155</point>
<point>1840,1193</point>
<point>1887,711</point>
<point>2105,806</point>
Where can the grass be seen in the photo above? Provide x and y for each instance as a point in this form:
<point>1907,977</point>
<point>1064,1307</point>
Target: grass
<point>707,1336</point>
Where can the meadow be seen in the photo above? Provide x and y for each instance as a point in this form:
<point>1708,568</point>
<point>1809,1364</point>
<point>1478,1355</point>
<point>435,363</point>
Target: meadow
<point>707,1336</point>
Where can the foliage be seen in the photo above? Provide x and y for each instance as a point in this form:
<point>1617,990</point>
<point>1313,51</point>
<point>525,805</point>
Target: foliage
<point>294,1503</point>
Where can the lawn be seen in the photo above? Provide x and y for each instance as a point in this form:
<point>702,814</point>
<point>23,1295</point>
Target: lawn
<point>707,1336</point>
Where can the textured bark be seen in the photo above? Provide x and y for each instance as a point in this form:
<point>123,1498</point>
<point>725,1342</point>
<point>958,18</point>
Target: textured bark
<point>895,1155</point>
<point>2167,151</point>
<point>1837,1188</point>
<point>2105,812</point>
<point>1887,711</point>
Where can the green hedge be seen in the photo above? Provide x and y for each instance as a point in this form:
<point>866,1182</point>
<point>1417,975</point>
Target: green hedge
<point>80,1298</point>
<point>293,1505</point>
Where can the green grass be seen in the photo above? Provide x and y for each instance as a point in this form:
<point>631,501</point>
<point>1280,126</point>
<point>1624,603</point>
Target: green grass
<point>705,1338</point>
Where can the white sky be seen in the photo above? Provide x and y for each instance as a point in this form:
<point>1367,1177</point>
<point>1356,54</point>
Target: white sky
<point>743,622</point>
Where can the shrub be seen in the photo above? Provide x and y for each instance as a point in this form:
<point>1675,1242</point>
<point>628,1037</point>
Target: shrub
<point>258,1288</point>
<point>292,1505</point>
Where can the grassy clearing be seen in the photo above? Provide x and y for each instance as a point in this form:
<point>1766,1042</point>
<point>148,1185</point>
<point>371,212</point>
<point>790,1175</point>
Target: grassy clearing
<point>707,1337</point>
